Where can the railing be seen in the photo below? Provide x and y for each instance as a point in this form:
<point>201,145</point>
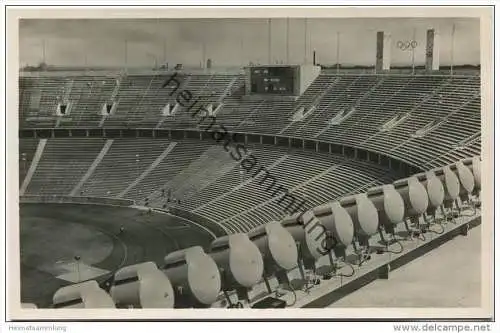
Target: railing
<point>182,133</point>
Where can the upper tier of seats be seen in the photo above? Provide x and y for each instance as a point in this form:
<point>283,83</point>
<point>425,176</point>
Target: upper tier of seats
<point>424,120</point>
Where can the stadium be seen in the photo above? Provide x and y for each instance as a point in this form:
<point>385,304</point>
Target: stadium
<point>274,183</point>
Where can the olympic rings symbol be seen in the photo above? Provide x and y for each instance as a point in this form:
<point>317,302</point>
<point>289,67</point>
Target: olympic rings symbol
<point>408,44</point>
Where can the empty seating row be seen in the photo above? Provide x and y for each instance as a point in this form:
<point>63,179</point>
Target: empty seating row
<point>196,176</point>
<point>62,164</point>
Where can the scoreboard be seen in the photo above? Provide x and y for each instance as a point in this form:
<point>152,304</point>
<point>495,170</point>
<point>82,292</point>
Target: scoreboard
<point>279,81</point>
<point>273,80</point>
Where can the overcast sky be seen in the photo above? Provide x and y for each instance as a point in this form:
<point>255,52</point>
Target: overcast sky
<point>233,42</point>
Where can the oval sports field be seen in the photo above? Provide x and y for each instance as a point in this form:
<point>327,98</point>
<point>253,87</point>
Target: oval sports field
<point>53,236</point>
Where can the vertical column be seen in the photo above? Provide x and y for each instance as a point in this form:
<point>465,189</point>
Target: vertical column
<point>386,63</point>
<point>452,55</point>
<point>248,80</point>
<point>380,51</point>
<point>431,53</point>
<point>435,58</point>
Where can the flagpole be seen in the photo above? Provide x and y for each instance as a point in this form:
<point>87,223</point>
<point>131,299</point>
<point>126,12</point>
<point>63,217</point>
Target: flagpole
<point>126,55</point>
<point>242,49</point>
<point>452,48</point>
<point>305,40</point>
<point>287,40</point>
<point>203,61</point>
<point>338,52</point>
<point>85,55</point>
<point>269,41</point>
<point>43,52</point>
<point>164,51</point>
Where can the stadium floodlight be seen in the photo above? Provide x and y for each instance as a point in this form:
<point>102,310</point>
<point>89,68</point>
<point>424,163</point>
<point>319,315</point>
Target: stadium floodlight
<point>435,192</point>
<point>328,231</point>
<point>466,179</point>
<point>240,263</point>
<point>294,224</point>
<point>315,238</point>
<point>474,165</point>
<point>312,241</point>
<point>142,286</point>
<point>364,216</point>
<point>278,250</point>
<point>86,295</point>
<point>194,276</point>
<point>338,224</point>
<point>391,210</point>
<point>476,171</point>
<point>451,186</point>
<point>416,202</point>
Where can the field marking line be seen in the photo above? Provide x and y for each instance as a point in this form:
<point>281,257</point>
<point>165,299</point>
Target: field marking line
<point>124,246</point>
<point>189,222</point>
